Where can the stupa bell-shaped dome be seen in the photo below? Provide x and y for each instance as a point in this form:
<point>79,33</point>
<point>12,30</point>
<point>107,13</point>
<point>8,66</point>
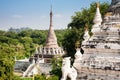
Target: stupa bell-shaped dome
<point>86,35</point>
<point>97,18</point>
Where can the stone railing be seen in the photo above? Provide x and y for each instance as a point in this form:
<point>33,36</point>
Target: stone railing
<point>89,50</point>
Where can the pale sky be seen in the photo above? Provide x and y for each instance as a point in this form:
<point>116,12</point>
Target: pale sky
<point>35,13</point>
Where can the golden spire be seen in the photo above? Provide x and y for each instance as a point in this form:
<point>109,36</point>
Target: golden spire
<point>108,14</point>
<point>97,4</point>
<point>77,44</point>
<point>97,18</point>
<point>86,27</point>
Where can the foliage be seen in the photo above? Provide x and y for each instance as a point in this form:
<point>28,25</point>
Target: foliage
<point>45,77</point>
<point>17,78</point>
<point>56,66</point>
<point>70,37</point>
<point>26,79</point>
<point>53,78</point>
<point>40,77</point>
<point>39,36</point>
<point>22,78</point>
<point>6,65</point>
<point>60,36</point>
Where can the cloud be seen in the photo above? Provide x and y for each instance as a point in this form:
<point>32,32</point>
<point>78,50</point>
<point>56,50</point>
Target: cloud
<point>17,16</point>
<point>58,16</point>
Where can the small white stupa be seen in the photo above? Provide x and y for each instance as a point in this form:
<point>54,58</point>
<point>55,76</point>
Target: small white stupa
<point>97,20</point>
<point>78,55</point>
<point>86,36</point>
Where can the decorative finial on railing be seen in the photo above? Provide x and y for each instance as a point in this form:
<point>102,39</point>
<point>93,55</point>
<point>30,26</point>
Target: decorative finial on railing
<point>97,4</point>
<point>77,44</point>
<point>86,27</point>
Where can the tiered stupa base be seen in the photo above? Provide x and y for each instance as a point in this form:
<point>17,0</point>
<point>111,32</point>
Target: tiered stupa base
<point>101,58</point>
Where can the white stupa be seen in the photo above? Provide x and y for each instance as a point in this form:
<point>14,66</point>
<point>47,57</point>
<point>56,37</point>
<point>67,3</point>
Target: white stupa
<point>102,50</point>
<point>97,20</point>
<point>86,36</point>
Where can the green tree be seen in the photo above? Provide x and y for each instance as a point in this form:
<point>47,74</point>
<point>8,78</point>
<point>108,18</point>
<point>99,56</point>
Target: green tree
<point>25,33</point>
<point>11,34</point>
<point>28,45</point>
<point>38,36</point>
<point>6,65</point>
<point>53,78</point>
<point>60,36</point>
<point>56,67</point>
<point>2,33</point>
<point>4,39</point>
<point>40,77</point>
<point>70,38</point>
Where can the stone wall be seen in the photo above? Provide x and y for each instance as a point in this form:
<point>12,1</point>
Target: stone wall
<point>97,74</point>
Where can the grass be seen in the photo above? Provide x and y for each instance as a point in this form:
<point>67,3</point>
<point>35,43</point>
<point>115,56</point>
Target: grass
<point>26,78</point>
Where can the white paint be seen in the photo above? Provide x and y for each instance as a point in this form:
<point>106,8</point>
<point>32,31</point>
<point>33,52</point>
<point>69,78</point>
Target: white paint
<point>67,70</point>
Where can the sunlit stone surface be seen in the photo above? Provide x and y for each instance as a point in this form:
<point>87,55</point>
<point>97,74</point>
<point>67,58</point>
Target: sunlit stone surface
<point>67,70</point>
<point>101,58</point>
<point>115,7</point>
